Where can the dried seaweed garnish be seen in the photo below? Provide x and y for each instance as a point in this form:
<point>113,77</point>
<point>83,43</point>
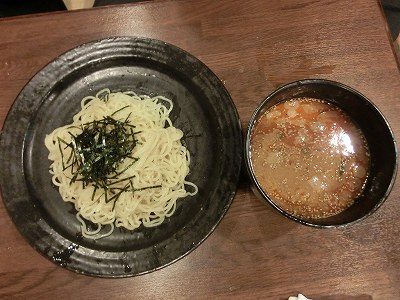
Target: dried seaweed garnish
<point>97,153</point>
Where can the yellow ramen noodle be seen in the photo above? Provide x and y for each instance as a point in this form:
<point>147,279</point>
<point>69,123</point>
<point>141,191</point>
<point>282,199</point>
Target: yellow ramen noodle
<point>309,157</point>
<point>141,188</point>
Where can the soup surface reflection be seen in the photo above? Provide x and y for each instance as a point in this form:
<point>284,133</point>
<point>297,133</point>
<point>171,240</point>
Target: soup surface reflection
<point>309,157</point>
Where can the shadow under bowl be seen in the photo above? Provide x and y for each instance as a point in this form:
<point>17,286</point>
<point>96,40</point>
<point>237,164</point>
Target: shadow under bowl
<point>378,134</point>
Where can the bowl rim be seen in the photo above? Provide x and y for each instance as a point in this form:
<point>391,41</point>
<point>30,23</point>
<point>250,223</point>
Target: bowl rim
<point>256,187</point>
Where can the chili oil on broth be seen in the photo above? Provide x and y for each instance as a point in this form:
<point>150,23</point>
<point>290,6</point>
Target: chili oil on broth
<point>309,157</point>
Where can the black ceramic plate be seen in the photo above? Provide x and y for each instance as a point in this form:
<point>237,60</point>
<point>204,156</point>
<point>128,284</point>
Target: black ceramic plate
<point>203,110</point>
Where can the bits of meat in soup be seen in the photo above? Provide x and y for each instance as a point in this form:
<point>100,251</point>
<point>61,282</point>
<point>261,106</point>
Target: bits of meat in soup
<point>309,157</point>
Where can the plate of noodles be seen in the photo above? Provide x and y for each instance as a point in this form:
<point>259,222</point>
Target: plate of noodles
<point>120,157</point>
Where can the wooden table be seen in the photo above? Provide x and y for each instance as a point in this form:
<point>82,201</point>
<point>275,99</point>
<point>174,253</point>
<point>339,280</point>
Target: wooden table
<point>254,47</point>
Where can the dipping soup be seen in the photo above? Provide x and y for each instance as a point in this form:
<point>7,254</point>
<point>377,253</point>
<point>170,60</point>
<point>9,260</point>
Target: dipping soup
<point>309,157</point>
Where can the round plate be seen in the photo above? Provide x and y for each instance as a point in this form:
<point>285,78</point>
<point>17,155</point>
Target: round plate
<point>203,110</point>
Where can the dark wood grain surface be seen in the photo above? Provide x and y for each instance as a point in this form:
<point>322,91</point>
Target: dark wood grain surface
<point>253,46</point>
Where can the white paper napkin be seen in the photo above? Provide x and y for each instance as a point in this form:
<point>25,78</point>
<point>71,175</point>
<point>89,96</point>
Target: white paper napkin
<point>299,297</point>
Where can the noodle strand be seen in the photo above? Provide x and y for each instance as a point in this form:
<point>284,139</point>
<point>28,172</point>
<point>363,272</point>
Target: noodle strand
<point>147,184</point>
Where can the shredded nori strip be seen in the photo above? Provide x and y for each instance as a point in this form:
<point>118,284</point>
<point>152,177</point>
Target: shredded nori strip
<point>98,151</point>
<point>100,148</point>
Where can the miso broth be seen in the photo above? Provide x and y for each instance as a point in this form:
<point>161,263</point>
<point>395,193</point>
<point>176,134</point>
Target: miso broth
<point>309,157</point>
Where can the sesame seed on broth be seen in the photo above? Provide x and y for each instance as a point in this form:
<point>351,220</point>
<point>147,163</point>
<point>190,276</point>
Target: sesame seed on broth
<point>309,157</point>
